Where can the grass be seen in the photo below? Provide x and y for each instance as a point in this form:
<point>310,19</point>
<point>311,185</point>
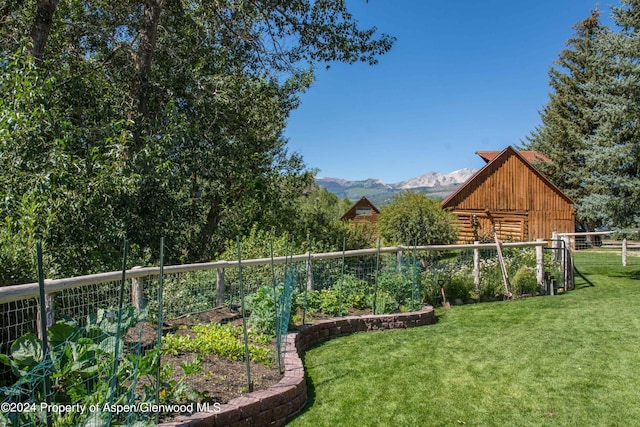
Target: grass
<point>566,360</point>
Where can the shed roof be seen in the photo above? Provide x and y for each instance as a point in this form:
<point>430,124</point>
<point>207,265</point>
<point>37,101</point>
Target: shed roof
<point>528,155</point>
<point>363,202</point>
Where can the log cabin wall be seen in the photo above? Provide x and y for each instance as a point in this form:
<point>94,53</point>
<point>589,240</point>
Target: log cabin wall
<point>510,194</point>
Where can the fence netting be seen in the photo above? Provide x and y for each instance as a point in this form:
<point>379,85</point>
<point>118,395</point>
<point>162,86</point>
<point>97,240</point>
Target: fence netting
<point>606,248</point>
<point>142,350</point>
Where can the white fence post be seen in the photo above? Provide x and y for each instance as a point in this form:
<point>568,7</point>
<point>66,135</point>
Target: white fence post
<point>309,274</point>
<point>624,252</point>
<point>565,251</point>
<point>219,287</point>
<point>476,267</point>
<point>137,291</point>
<point>48,308</point>
<point>540,264</point>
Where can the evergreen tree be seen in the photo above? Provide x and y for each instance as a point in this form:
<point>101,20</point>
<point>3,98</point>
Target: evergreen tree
<point>612,154</point>
<point>567,119</point>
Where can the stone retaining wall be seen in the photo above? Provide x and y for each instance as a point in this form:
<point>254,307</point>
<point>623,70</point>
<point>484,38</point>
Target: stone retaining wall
<point>283,401</point>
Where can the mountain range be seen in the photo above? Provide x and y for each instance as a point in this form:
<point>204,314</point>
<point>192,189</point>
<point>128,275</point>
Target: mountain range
<point>435,184</point>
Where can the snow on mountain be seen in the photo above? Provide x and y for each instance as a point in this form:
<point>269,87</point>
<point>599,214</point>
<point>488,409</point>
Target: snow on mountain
<point>433,179</point>
<point>434,184</point>
<point>429,179</point>
<point>346,183</point>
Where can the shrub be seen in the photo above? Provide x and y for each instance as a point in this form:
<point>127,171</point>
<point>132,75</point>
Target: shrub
<point>457,281</point>
<point>525,281</point>
<point>412,217</point>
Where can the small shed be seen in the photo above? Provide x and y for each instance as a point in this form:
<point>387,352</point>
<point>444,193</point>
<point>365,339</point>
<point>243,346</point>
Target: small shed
<point>362,211</point>
<point>509,195</point>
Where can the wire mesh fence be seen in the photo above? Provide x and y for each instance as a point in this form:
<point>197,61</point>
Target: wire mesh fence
<point>143,345</point>
<point>606,248</point>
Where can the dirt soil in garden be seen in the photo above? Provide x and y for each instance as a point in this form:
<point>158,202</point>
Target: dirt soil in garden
<point>221,379</point>
<point>314,317</point>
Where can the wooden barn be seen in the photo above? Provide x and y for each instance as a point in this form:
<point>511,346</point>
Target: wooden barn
<point>362,211</point>
<point>511,196</point>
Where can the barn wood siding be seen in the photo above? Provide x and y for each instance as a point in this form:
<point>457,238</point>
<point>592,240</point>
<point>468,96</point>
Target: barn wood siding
<point>509,226</point>
<point>369,218</point>
<point>511,194</point>
<point>353,216</point>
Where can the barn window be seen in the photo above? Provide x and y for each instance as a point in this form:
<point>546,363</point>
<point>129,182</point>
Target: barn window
<point>363,211</point>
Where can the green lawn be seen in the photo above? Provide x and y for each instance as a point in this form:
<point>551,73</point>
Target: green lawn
<point>572,359</point>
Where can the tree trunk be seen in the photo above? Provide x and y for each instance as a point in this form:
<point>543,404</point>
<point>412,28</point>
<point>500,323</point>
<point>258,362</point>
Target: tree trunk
<point>42,26</point>
<point>143,60</point>
<point>198,248</point>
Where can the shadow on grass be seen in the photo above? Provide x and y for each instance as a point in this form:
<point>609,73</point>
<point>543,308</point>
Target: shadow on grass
<point>632,272</point>
<point>311,395</point>
<point>629,274</point>
<point>588,282</point>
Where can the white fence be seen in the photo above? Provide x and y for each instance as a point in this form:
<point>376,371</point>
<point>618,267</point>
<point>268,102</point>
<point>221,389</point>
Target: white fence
<point>198,287</point>
<point>52,286</point>
<point>624,242</point>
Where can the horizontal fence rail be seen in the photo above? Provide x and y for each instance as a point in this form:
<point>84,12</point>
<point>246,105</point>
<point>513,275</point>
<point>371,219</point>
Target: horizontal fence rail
<point>25,291</point>
<point>625,243</point>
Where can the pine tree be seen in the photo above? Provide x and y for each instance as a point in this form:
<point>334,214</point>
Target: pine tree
<point>567,119</point>
<point>612,155</point>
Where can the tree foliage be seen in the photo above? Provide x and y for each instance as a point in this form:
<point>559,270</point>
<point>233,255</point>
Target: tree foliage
<point>612,152</point>
<point>412,218</point>
<point>568,119</point>
<point>590,126</point>
<point>158,118</point>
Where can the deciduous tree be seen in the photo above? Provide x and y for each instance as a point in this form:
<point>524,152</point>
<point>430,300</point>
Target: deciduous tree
<point>413,218</point>
<point>159,118</point>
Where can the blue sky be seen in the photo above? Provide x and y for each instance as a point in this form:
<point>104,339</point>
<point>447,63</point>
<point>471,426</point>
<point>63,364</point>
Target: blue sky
<point>463,76</point>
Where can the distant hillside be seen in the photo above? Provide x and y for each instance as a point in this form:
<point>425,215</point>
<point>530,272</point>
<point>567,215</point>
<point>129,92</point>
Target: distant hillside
<point>434,184</point>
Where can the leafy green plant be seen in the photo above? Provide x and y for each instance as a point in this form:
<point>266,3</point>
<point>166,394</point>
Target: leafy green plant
<point>384,302</point>
<point>221,340</point>
<point>394,284</point>
<point>262,305</point>
<point>80,364</point>
<point>331,304</point>
<point>328,301</point>
<point>177,391</point>
<point>353,291</point>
